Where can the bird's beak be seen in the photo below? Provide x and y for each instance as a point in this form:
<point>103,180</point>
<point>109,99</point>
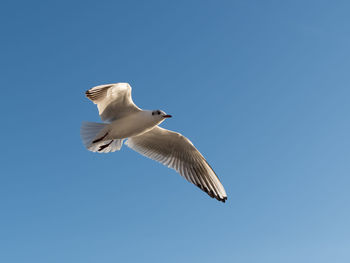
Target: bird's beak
<point>167,116</point>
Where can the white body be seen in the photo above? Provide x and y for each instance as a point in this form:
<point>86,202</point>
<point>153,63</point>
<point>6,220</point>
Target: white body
<point>132,125</point>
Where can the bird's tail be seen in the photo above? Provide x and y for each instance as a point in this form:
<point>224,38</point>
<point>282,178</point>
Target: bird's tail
<point>95,138</point>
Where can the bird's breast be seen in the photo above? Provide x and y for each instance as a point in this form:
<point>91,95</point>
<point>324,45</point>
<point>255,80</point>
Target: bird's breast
<point>133,125</point>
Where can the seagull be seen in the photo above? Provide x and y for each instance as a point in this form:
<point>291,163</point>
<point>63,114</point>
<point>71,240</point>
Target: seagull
<point>124,120</point>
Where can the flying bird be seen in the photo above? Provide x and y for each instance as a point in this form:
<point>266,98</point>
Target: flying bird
<point>124,120</point>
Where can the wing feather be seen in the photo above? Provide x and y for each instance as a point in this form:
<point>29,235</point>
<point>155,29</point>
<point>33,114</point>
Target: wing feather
<point>177,152</point>
<point>113,100</point>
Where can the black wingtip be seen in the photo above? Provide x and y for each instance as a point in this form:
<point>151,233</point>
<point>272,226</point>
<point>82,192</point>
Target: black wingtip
<point>221,199</point>
<point>212,194</point>
<point>224,199</point>
<point>88,94</point>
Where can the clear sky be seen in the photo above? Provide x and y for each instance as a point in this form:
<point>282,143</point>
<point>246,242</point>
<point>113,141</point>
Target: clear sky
<point>262,88</point>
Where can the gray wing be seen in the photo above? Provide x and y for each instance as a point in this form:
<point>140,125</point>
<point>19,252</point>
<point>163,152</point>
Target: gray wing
<point>113,100</point>
<point>177,152</point>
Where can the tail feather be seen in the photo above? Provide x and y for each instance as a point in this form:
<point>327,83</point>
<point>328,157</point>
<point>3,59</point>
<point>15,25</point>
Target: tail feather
<point>93,137</point>
<point>114,145</point>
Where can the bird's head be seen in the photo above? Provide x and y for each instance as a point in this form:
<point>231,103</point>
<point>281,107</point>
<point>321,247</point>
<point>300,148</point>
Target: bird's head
<point>161,115</point>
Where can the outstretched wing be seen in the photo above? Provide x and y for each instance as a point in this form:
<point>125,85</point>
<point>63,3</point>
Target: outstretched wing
<point>113,100</point>
<point>177,152</point>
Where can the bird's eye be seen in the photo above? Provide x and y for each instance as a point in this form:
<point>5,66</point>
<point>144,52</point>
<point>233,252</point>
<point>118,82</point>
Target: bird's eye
<point>158,112</point>
<point>152,112</point>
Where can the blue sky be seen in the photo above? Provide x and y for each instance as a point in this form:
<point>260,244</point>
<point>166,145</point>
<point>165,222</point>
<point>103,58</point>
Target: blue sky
<point>260,87</point>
